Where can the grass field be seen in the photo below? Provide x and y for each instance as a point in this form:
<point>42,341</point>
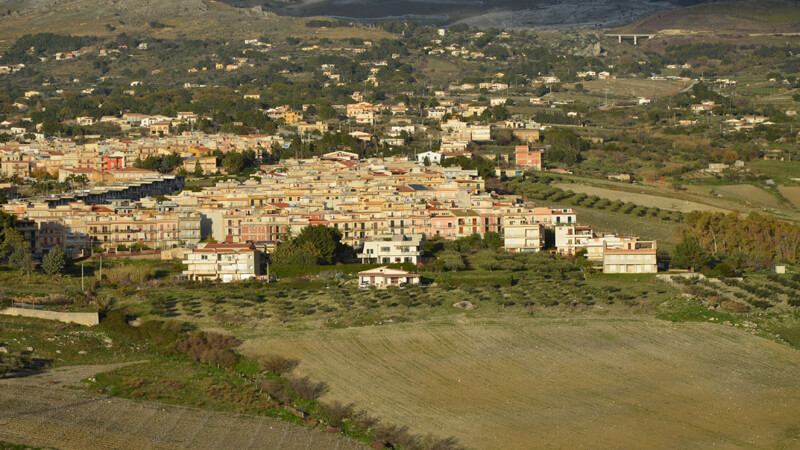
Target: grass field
<point>780,171</point>
<point>633,88</point>
<point>509,382</point>
<point>743,195</point>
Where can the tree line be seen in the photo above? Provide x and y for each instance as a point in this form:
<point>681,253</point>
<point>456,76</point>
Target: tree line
<point>750,241</point>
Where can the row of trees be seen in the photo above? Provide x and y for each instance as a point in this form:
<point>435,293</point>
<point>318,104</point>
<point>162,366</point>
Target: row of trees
<point>749,241</point>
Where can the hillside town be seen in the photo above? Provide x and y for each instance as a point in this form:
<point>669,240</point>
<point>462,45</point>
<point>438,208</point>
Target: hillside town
<point>383,207</point>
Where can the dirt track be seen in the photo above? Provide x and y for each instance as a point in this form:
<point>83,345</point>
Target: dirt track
<point>43,410</point>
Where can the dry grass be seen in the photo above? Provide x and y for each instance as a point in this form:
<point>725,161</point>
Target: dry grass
<point>668,203</point>
<point>634,88</point>
<point>514,383</point>
<point>740,194</point>
<point>792,193</point>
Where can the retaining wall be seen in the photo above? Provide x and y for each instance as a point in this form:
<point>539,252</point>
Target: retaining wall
<point>90,319</point>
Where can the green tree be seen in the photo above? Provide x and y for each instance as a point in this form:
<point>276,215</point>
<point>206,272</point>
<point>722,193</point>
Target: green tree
<point>22,260</point>
<point>325,241</point>
<point>10,238</point>
<point>233,162</point>
<point>198,170</point>
<point>565,146</point>
<point>689,254</point>
<point>452,260</point>
<point>55,261</point>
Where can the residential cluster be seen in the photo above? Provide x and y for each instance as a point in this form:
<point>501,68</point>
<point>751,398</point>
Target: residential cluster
<point>383,207</point>
<point>112,160</point>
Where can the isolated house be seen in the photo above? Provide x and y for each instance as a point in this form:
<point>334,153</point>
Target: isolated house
<point>384,276</point>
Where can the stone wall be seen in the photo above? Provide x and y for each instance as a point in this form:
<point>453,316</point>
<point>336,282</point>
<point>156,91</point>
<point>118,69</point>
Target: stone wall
<point>90,319</point>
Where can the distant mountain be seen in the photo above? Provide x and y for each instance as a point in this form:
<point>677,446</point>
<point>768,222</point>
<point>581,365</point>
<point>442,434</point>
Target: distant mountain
<point>503,13</point>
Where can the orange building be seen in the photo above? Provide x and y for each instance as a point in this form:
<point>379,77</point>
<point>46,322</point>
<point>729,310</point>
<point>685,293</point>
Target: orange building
<point>525,157</point>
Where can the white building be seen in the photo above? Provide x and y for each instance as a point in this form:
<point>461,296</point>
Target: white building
<point>384,276</point>
<point>572,238</point>
<point>393,249</point>
<point>433,157</point>
<point>522,235</point>
<point>639,257</point>
<point>224,262</point>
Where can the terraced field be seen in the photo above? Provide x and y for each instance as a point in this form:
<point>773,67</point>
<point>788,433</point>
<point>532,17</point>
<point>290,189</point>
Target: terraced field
<point>672,204</point>
<point>40,411</point>
<point>561,382</point>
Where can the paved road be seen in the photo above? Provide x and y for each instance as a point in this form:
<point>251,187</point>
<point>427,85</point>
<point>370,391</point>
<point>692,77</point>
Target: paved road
<point>47,411</point>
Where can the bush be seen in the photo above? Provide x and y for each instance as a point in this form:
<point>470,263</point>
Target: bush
<point>396,436</point>
<point>210,348</point>
<point>12,362</point>
<point>307,389</point>
<point>278,364</point>
<point>337,413</point>
<point>129,274</point>
<point>277,390</point>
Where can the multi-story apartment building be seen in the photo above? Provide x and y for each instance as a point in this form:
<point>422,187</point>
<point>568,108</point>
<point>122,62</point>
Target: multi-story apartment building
<point>639,257</point>
<point>224,262</point>
<point>393,249</point>
<point>572,238</point>
<point>525,157</point>
<point>522,235</point>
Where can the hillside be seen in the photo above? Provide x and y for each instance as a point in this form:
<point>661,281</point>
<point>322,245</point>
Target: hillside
<point>560,383</point>
<point>771,16</point>
<point>162,19</point>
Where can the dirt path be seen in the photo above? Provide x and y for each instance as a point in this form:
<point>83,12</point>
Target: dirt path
<point>45,411</point>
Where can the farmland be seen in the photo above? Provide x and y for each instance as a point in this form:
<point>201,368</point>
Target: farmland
<point>623,360</point>
<point>42,411</point>
<point>792,193</point>
<point>640,198</point>
<point>513,382</point>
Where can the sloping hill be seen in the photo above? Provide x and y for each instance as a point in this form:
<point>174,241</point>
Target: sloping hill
<point>165,19</point>
<point>770,16</point>
<point>526,383</point>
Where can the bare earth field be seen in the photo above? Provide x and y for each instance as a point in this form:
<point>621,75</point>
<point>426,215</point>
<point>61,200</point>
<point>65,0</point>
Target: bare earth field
<point>561,383</point>
<point>641,199</point>
<point>792,193</point>
<point>44,411</point>
<point>633,88</point>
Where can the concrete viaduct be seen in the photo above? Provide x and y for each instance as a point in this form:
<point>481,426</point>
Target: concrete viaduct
<point>634,37</point>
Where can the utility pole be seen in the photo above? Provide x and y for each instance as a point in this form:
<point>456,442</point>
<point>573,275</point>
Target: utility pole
<point>81,276</point>
<point>101,266</point>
